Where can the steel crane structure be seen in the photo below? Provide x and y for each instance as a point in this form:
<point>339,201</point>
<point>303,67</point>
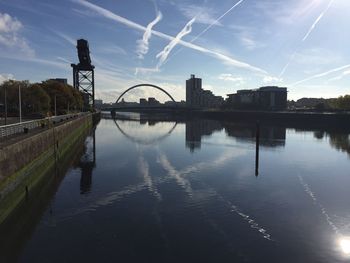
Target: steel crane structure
<point>83,74</point>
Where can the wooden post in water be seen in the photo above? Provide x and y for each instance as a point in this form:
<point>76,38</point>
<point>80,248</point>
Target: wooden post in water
<point>257,142</point>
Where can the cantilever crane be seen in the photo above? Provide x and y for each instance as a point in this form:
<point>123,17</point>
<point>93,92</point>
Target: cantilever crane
<point>83,74</point>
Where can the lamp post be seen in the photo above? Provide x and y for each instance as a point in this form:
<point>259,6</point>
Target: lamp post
<point>20,103</point>
<point>5,95</point>
<point>55,106</point>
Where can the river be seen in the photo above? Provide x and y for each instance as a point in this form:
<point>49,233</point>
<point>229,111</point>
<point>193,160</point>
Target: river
<point>144,190</point>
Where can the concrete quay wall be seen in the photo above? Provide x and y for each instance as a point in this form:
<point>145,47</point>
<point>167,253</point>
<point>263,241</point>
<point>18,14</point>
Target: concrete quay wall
<point>24,164</point>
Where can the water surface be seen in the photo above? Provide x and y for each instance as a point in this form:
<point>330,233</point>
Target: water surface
<point>149,191</point>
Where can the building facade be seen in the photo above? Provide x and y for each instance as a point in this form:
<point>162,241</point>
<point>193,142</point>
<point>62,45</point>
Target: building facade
<point>264,98</point>
<point>196,97</point>
<point>60,80</point>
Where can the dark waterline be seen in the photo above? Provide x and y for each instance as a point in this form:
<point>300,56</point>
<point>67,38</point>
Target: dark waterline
<point>148,191</point>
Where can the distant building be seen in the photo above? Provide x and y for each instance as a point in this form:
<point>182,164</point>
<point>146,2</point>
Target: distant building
<point>264,98</point>
<point>63,81</point>
<point>196,97</point>
<point>175,103</point>
<point>98,104</point>
<point>153,102</point>
<point>143,102</point>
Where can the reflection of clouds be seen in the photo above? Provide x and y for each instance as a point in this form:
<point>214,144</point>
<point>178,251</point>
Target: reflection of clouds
<point>106,200</point>
<point>144,170</point>
<point>172,172</point>
<point>253,224</point>
<point>211,164</point>
<point>184,183</point>
<point>180,177</point>
<point>312,195</point>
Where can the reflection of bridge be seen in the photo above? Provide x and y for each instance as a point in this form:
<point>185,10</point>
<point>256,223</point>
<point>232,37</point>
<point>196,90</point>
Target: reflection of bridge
<point>140,141</point>
<point>142,108</point>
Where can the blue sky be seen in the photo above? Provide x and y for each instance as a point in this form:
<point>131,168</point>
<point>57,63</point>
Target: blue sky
<point>230,44</point>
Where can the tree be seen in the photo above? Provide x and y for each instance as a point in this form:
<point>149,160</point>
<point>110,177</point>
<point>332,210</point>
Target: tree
<point>36,100</point>
<point>341,103</point>
<point>67,98</point>
<point>12,90</point>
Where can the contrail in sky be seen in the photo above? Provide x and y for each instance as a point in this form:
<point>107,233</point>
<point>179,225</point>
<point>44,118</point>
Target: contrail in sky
<point>317,20</point>
<point>224,58</point>
<point>166,51</point>
<point>211,25</point>
<point>142,44</point>
<point>321,74</point>
<point>287,65</point>
<point>216,21</point>
<point>313,26</point>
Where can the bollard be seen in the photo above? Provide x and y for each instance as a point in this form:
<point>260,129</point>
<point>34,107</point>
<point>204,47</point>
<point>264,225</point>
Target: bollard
<point>25,130</point>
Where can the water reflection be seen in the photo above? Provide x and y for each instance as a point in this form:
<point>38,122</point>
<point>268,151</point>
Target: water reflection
<point>144,141</point>
<point>196,129</point>
<point>344,243</point>
<point>87,163</point>
<point>166,189</point>
<point>21,225</point>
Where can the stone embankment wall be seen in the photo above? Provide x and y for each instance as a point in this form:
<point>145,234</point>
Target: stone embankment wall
<point>23,164</point>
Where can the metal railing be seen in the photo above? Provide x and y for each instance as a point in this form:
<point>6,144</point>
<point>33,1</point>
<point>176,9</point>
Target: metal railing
<point>24,127</point>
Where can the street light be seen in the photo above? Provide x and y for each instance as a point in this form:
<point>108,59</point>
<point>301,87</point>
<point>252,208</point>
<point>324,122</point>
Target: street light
<point>55,106</point>
<point>20,103</point>
<point>5,91</point>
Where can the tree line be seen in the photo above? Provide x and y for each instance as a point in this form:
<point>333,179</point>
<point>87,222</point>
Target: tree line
<point>39,99</point>
<point>341,103</point>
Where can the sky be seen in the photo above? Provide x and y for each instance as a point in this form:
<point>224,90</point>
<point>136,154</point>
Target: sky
<point>231,44</point>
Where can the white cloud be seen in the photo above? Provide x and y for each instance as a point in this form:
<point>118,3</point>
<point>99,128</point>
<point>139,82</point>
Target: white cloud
<point>224,58</point>
<point>204,15</point>
<point>67,38</point>
<point>112,50</point>
<point>247,36</point>
<point>142,44</point>
<point>341,76</point>
<point>163,55</point>
<point>248,42</point>
<point>9,24</point>
<point>146,70</point>
<point>316,56</point>
<point>285,14</point>
<point>272,80</point>
<point>10,38</point>
<point>217,20</point>
<point>4,77</point>
<point>230,77</point>
<point>311,57</point>
<point>64,60</point>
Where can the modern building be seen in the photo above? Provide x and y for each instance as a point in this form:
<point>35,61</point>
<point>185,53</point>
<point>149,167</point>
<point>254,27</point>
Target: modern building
<point>143,102</point>
<point>153,102</point>
<point>63,81</point>
<point>196,97</point>
<point>264,98</point>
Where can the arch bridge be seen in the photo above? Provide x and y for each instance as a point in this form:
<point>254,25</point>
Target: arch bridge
<point>145,85</point>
